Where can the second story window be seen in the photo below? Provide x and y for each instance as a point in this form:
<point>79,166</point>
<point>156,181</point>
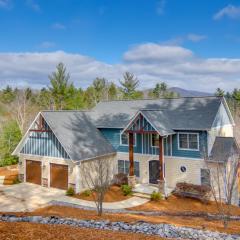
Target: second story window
<point>124,139</point>
<point>155,140</point>
<point>188,141</point>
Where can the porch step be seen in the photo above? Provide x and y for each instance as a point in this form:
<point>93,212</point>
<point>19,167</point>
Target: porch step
<point>142,195</point>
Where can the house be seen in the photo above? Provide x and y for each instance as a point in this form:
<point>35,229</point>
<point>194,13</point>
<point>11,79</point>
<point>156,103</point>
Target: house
<point>159,141</point>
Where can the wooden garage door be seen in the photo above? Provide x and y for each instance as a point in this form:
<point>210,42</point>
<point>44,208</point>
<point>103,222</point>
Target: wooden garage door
<point>33,172</point>
<point>59,176</point>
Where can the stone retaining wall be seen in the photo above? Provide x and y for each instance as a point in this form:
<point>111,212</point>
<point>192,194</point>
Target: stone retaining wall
<point>161,230</point>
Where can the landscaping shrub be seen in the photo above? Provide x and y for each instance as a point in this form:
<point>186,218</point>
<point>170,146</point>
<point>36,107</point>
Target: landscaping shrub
<point>16,181</point>
<point>87,193</point>
<point>70,192</point>
<point>156,196</point>
<point>120,179</point>
<point>126,189</point>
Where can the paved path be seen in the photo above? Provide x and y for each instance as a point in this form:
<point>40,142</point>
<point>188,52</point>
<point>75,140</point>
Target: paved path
<point>27,197</point>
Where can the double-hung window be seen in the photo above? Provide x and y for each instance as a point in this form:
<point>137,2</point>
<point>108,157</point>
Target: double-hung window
<point>123,167</point>
<point>124,139</point>
<point>155,140</point>
<point>188,141</point>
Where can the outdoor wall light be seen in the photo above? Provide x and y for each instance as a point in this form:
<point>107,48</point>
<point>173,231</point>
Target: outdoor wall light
<point>20,163</point>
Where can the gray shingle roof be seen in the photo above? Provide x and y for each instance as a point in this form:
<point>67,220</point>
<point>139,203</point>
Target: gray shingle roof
<point>79,137</point>
<point>223,148</point>
<point>182,113</point>
<point>163,126</point>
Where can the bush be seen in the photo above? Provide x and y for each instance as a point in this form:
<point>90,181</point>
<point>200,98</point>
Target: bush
<point>16,181</point>
<point>126,189</point>
<point>8,160</point>
<point>120,179</point>
<point>87,193</point>
<point>156,196</point>
<point>70,191</point>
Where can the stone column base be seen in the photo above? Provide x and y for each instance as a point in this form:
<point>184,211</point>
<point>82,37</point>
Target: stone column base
<point>132,181</point>
<point>162,187</point>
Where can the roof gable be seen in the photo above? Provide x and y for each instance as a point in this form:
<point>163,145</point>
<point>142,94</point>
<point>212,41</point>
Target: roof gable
<point>79,137</point>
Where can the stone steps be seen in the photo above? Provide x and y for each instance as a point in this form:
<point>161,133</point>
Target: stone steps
<point>142,195</point>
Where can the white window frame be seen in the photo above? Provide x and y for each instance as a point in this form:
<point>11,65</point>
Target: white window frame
<point>134,140</point>
<point>188,133</point>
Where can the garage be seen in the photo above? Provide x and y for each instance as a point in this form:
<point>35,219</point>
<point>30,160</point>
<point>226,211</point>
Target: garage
<point>59,176</point>
<point>33,172</point>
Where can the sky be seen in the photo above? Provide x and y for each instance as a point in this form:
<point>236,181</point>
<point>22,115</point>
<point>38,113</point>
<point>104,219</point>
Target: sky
<point>185,43</point>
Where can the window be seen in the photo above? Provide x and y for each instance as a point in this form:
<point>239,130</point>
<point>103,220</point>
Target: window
<point>155,140</point>
<point>183,169</point>
<point>188,141</point>
<point>205,177</point>
<point>124,139</point>
<point>123,167</point>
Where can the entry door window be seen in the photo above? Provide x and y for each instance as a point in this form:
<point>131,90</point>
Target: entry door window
<point>154,171</point>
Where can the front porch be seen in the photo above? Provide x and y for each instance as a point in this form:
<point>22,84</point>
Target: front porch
<point>143,124</point>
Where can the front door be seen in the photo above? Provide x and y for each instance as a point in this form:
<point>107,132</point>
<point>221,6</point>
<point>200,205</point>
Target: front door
<point>154,171</point>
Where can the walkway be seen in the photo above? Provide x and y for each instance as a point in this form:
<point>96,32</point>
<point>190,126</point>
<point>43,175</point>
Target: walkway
<point>27,197</point>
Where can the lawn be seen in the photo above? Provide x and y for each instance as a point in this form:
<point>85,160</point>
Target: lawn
<point>29,231</point>
<point>114,194</point>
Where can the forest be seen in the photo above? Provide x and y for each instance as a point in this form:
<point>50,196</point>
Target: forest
<point>18,107</point>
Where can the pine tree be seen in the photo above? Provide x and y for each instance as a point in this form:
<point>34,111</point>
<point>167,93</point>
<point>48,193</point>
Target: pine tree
<point>219,92</point>
<point>60,86</point>
<point>129,86</point>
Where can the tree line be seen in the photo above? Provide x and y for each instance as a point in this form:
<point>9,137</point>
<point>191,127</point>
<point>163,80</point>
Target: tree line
<point>19,106</point>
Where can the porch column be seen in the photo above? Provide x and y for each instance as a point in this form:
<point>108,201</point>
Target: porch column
<point>131,177</point>
<point>161,181</point>
<point>161,158</point>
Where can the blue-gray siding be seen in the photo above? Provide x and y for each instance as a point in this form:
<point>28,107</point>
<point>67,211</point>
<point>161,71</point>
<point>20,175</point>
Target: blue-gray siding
<point>113,136</point>
<point>44,144</point>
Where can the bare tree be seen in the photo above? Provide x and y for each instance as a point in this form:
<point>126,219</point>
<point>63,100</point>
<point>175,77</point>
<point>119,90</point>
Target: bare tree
<point>222,166</point>
<point>97,175</point>
<point>21,110</point>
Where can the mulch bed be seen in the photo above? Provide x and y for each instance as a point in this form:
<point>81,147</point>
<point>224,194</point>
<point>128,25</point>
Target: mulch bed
<point>29,231</point>
<point>175,204</point>
<point>114,194</point>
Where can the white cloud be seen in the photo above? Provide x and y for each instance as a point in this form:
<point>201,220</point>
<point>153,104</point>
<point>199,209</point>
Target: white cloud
<point>33,5</point>
<point>59,26</point>
<point>195,37</point>
<point>47,44</point>
<point>5,4</point>
<point>156,52</point>
<point>161,7</point>
<point>230,11</point>
<point>151,63</point>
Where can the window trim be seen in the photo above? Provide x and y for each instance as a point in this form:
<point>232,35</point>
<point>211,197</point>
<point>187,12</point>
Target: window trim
<point>188,133</point>
<point>134,140</point>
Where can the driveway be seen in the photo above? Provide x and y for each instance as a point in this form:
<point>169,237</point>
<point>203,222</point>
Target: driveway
<point>26,197</point>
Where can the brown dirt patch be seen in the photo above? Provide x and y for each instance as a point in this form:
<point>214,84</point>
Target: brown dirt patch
<point>9,171</point>
<point>114,194</point>
<point>195,222</point>
<point>176,204</point>
<point>29,231</point>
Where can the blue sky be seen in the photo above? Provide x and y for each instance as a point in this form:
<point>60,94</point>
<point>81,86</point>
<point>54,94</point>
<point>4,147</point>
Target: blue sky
<point>185,43</point>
